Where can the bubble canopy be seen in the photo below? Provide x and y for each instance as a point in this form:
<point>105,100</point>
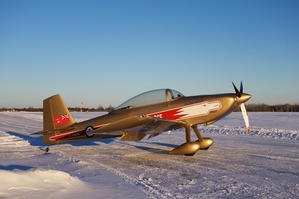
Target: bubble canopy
<point>151,97</point>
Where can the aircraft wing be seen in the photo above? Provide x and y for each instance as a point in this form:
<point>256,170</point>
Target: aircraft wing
<point>137,127</point>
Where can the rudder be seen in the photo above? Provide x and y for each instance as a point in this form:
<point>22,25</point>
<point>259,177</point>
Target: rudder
<point>56,115</point>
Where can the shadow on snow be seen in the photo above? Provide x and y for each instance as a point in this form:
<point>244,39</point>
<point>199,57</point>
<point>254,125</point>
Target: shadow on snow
<point>38,140</point>
<point>15,167</point>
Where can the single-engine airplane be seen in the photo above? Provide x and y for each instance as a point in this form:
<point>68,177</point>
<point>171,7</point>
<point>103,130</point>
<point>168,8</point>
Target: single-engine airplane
<point>149,113</point>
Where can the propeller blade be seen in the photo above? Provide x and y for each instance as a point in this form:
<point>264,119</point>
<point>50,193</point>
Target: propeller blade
<point>236,90</point>
<point>241,87</point>
<point>245,116</point>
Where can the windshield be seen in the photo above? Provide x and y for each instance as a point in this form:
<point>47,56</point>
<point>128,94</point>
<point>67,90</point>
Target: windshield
<point>151,97</point>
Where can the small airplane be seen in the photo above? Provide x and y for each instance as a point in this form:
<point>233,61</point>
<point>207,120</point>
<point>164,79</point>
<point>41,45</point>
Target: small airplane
<point>150,113</point>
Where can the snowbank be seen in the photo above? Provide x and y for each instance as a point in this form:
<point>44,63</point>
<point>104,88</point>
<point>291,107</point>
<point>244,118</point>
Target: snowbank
<point>42,184</point>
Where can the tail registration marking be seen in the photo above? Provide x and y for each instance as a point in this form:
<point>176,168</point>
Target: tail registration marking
<point>62,119</point>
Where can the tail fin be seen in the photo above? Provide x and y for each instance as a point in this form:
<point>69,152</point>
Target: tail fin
<point>56,114</point>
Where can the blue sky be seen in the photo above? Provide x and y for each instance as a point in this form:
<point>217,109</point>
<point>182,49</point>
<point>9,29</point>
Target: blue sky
<point>104,52</point>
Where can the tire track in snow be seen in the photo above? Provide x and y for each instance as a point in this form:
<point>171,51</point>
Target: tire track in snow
<point>150,189</point>
<point>12,144</point>
<point>262,132</point>
<point>145,184</point>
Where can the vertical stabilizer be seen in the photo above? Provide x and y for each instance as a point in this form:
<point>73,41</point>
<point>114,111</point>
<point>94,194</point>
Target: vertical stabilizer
<point>56,114</point>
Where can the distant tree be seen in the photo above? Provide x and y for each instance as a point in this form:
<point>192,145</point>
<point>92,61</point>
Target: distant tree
<point>110,108</point>
<point>268,108</point>
<point>100,108</point>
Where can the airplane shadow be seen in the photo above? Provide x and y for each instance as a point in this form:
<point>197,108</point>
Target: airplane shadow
<point>165,144</point>
<point>92,142</point>
<point>152,150</point>
<point>33,141</point>
<point>38,140</point>
<point>15,167</point>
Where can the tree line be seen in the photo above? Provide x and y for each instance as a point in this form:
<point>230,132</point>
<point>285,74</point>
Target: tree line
<point>71,109</point>
<point>271,108</point>
<point>249,107</point>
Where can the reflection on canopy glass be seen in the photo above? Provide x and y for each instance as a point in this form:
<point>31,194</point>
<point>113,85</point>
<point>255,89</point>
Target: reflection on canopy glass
<point>151,97</point>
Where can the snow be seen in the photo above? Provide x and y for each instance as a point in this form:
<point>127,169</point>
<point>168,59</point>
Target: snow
<point>262,164</point>
<point>35,183</point>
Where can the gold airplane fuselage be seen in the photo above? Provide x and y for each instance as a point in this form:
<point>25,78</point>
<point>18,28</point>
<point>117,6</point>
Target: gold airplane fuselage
<point>225,104</point>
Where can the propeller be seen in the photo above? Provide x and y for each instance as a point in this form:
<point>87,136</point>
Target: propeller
<point>245,116</point>
<point>242,105</point>
<point>238,93</point>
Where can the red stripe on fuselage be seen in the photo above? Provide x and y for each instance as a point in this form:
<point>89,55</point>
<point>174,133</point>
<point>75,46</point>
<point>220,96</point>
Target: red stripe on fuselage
<point>189,111</point>
<point>173,114</point>
<point>69,135</point>
<point>72,135</point>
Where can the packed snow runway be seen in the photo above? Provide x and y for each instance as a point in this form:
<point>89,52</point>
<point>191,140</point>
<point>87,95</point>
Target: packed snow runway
<point>262,164</point>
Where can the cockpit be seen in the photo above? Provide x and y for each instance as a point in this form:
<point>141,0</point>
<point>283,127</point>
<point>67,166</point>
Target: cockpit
<point>151,97</point>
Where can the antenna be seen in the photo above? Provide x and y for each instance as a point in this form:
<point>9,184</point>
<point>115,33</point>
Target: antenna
<point>82,106</point>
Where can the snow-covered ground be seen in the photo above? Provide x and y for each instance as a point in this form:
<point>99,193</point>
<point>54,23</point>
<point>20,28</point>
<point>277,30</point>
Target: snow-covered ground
<point>262,164</point>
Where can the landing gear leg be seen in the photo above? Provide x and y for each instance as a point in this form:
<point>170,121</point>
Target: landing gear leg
<point>196,131</point>
<point>189,148</point>
<point>205,143</point>
<point>188,135</point>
